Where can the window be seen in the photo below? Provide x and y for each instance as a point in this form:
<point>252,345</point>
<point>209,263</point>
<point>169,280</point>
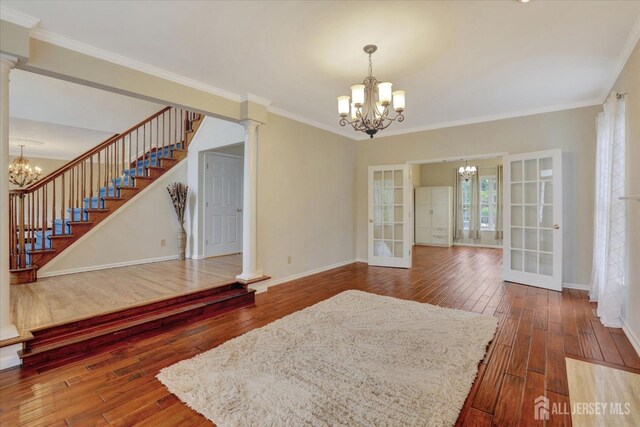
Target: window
<point>466,203</point>
<point>488,194</point>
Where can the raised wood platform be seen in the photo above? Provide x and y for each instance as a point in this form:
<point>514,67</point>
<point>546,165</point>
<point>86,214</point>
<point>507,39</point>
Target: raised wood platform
<point>63,342</point>
<point>61,318</point>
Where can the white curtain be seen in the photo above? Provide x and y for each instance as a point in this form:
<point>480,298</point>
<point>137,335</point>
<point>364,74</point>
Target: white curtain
<point>458,221</point>
<point>474,212</point>
<point>499,176</point>
<point>609,246</point>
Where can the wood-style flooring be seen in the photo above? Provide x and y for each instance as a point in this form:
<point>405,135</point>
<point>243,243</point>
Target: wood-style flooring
<point>538,329</point>
<point>61,299</point>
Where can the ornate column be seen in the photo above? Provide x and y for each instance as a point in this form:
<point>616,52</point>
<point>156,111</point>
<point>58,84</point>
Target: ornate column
<point>250,193</point>
<point>8,355</point>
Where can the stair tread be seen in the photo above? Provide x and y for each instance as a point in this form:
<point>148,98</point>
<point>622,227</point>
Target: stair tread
<point>120,324</point>
<point>40,251</point>
<point>96,210</point>
<point>72,223</point>
<point>61,236</point>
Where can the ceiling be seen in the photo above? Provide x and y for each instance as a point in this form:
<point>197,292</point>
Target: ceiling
<point>66,119</point>
<point>459,61</point>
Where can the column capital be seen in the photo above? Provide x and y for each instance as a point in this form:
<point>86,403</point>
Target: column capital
<point>250,125</point>
<point>8,61</point>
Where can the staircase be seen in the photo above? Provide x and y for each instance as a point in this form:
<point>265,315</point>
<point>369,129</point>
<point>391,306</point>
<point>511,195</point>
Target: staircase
<point>53,213</point>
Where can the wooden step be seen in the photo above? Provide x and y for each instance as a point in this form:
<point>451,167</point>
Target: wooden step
<point>22,276</point>
<point>65,342</point>
<point>62,236</point>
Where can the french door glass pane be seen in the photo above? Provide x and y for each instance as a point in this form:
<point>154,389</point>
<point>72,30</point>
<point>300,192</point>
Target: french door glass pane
<point>532,219</point>
<point>388,213</point>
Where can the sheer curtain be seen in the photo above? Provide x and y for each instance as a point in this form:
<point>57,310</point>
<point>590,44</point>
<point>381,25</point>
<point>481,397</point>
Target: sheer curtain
<point>499,233</point>
<point>474,212</point>
<point>609,246</point>
<point>458,221</point>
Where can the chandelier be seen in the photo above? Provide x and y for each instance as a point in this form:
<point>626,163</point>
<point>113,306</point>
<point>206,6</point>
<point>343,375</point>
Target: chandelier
<point>369,104</point>
<point>467,171</point>
<point>21,173</point>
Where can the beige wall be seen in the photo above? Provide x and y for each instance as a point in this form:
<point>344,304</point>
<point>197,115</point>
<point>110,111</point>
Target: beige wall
<point>629,81</point>
<point>571,130</point>
<point>131,235</point>
<point>305,197</point>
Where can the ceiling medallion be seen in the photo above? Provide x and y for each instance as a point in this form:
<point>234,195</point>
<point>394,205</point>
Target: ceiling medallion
<point>369,104</point>
<point>20,172</point>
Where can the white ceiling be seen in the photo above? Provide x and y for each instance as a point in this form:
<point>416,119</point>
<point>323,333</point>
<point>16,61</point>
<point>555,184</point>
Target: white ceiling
<point>459,61</point>
<point>68,118</point>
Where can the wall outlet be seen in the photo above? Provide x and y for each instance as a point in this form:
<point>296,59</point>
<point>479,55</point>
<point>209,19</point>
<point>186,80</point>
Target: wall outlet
<point>289,258</point>
<point>163,242</point>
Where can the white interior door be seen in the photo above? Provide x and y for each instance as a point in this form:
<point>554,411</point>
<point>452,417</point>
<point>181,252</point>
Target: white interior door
<point>390,222</point>
<point>533,219</point>
<point>223,205</point>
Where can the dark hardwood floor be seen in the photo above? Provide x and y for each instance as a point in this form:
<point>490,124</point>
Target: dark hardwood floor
<point>538,329</point>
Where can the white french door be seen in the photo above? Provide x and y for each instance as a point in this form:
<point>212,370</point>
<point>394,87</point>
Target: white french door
<point>390,223</point>
<point>532,219</point>
<point>223,205</point>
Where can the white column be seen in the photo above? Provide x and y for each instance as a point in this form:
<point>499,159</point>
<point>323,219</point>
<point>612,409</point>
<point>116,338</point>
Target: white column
<point>8,355</point>
<point>250,193</point>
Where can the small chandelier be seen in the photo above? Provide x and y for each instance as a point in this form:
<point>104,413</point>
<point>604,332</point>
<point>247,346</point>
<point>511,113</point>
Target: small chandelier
<point>467,171</point>
<point>369,103</point>
<point>20,172</point>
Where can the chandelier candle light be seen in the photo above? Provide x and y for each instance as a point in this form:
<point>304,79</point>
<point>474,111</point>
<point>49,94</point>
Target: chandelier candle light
<point>369,104</point>
<point>467,171</point>
<point>20,172</point>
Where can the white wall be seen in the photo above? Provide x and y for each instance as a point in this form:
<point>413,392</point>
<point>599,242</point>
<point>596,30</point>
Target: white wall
<point>212,133</point>
<point>573,131</point>
<point>131,235</point>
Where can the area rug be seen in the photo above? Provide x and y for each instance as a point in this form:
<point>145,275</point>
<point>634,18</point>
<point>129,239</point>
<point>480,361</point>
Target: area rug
<point>356,359</point>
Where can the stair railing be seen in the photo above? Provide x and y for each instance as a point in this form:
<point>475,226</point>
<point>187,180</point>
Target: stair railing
<point>50,206</point>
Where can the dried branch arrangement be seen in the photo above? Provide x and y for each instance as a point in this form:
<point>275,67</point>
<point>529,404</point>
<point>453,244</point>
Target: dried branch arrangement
<point>179,192</point>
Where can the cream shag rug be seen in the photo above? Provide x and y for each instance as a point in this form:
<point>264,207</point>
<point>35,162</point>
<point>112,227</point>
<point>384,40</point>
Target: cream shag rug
<point>356,359</point>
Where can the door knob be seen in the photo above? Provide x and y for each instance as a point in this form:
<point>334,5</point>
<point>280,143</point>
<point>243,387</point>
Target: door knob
<point>239,210</point>
<point>370,220</point>
<point>556,226</point>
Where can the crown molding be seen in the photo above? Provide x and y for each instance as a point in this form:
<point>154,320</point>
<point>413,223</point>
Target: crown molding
<point>257,99</point>
<point>491,118</point>
<point>18,18</point>
<point>67,43</point>
<point>632,41</point>
<point>302,119</point>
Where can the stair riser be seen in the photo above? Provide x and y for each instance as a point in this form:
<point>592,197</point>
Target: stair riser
<point>47,334</point>
<point>106,342</point>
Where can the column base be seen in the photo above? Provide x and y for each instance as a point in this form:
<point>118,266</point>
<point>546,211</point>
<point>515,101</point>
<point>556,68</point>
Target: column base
<point>247,278</point>
<point>9,356</point>
<point>8,332</point>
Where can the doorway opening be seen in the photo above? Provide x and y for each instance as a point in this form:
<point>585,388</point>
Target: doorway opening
<point>455,210</point>
<point>223,200</point>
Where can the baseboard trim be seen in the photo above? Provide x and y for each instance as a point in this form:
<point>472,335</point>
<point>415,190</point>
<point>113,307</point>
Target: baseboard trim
<point>635,342</point>
<point>107,266</point>
<point>264,286</point>
<point>478,245</point>
<point>365,260</point>
<point>576,286</point>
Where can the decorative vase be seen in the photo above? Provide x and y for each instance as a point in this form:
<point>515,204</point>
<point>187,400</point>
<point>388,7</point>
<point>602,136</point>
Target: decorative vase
<point>182,242</point>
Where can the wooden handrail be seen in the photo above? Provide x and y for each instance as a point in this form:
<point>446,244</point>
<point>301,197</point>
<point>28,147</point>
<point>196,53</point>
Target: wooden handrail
<point>53,175</point>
